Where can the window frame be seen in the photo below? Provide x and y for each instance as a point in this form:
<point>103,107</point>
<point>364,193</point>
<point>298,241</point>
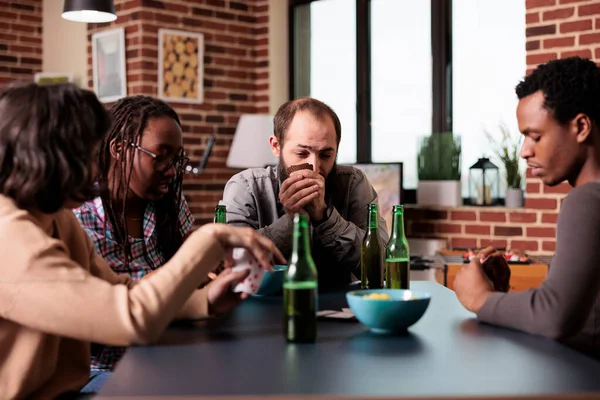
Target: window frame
<point>441,50</point>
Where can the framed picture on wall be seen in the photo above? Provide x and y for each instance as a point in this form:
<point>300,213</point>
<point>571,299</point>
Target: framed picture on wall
<point>180,66</point>
<point>108,65</point>
<point>51,78</point>
<point>386,179</point>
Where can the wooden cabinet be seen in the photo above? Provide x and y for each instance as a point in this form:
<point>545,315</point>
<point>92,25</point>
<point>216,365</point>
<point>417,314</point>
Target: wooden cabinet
<point>522,276</point>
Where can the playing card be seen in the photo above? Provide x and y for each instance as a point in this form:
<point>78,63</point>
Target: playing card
<point>242,259</point>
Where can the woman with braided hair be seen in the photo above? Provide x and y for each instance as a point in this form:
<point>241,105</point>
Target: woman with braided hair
<point>140,219</point>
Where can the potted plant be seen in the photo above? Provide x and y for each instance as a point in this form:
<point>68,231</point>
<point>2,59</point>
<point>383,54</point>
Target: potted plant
<point>507,151</point>
<point>438,168</point>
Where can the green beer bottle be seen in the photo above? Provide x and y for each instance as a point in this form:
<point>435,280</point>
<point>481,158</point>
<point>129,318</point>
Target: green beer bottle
<point>300,288</point>
<point>371,260</point>
<point>220,215</point>
<point>397,254</point>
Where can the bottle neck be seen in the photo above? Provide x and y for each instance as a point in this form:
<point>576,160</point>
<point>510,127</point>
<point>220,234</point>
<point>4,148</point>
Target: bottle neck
<point>301,243</point>
<point>397,226</point>
<point>373,220</point>
<point>220,218</point>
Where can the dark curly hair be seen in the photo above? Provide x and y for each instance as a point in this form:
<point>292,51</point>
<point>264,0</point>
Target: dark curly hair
<point>47,137</point>
<point>130,118</point>
<point>570,86</point>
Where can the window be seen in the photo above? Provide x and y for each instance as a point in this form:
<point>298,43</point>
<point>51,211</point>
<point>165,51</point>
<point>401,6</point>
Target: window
<point>488,57</point>
<point>326,47</point>
<point>401,92</point>
<point>424,67</point>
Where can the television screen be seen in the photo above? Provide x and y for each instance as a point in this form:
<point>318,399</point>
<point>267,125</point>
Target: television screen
<point>386,179</point>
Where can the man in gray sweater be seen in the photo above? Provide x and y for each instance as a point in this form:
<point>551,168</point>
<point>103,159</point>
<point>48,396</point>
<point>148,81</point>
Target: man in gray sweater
<point>559,115</point>
<point>306,139</point>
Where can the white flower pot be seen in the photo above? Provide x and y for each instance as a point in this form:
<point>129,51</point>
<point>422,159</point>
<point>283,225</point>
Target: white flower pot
<point>514,198</point>
<point>439,193</point>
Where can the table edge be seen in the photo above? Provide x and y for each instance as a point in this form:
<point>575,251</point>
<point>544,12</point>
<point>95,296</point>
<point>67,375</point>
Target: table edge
<point>580,396</point>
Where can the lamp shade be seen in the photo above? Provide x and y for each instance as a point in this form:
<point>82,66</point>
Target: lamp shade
<point>250,147</point>
<point>92,11</point>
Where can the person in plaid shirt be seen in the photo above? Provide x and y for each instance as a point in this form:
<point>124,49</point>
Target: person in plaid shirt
<point>141,164</point>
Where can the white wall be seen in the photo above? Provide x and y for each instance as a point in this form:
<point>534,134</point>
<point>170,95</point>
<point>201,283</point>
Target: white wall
<point>64,43</point>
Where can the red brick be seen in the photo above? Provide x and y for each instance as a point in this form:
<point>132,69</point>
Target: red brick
<point>240,29</point>
<point>540,58</point>
<point>463,216</point>
<point>560,13</point>
<point>496,243</point>
<point>559,42</point>
<point>540,30</point>
<point>508,231</point>
<point>449,228</point>
<point>541,204</point>
<point>549,246</point>
<point>532,17</point>
<point>549,218</point>
<point>526,245</point>
<point>523,217</point>
<point>492,216</point>
<point>532,188</point>
<point>587,53</point>
<point>576,26</point>
<point>477,229</point>
<point>572,1</point>
<point>541,232</point>
<point>562,188</point>
<point>463,243</point>
<point>539,3</point>
<point>597,53</point>
<point>30,18</point>
<point>589,9</point>
<point>589,38</point>
<point>532,45</point>
<point>421,228</point>
<point>180,8</point>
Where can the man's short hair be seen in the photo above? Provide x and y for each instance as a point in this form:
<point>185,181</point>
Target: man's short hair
<point>286,113</point>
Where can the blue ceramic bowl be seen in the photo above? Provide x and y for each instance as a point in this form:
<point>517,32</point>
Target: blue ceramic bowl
<point>272,283</point>
<point>388,316</point>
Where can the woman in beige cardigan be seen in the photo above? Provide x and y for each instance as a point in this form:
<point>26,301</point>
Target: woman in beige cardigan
<point>56,294</point>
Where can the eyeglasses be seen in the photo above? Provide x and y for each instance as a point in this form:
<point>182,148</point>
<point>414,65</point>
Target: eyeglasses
<point>164,163</point>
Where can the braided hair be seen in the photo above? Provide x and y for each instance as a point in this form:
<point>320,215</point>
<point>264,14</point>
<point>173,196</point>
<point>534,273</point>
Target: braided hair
<point>130,118</point>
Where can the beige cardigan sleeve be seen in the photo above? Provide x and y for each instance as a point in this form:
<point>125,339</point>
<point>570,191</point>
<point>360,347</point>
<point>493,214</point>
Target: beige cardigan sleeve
<point>41,287</point>
<point>196,306</point>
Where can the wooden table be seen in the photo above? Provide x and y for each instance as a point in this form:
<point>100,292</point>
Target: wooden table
<point>522,276</point>
<point>446,354</point>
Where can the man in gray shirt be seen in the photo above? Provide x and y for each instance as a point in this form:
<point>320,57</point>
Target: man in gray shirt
<point>558,115</point>
<point>335,197</point>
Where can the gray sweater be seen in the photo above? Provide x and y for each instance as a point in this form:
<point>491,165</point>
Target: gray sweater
<point>252,199</point>
<point>566,306</point>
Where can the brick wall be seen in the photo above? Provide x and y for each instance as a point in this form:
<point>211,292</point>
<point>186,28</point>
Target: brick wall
<point>235,75</point>
<point>20,40</point>
<point>555,29</point>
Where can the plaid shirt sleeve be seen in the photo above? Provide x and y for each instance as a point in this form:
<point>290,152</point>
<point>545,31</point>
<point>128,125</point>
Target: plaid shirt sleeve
<point>186,219</point>
<point>89,222</point>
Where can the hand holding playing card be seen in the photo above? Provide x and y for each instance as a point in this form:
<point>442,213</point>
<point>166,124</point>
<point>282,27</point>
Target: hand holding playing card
<point>221,299</point>
<point>244,261</point>
<point>496,268</point>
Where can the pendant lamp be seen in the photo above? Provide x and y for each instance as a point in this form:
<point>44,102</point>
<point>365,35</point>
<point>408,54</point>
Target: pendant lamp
<point>91,11</point>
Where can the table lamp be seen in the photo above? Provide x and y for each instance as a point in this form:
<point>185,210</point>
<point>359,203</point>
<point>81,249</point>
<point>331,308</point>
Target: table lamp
<point>250,146</point>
